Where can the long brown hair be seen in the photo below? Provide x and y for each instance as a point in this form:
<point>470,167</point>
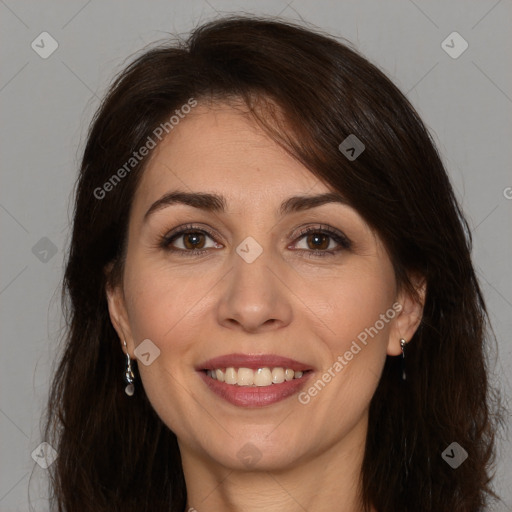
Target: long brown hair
<point>114,452</point>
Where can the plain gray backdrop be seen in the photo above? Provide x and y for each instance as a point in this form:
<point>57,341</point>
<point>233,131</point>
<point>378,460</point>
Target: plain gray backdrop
<point>47,101</point>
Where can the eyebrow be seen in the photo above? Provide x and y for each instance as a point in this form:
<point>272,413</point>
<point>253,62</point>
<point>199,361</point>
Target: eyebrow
<point>217,203</point>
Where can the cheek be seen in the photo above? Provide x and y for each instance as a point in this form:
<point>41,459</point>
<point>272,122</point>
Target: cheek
<point>359,316</point>
<point>166,308</point>
<point>354,302</point>
<point>161,301</point>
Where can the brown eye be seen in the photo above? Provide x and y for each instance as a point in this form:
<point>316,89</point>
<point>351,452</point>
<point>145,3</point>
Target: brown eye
<point>323,241</point>
<point>189,241</point>
<point>193,240</point>
<point>318,241</point>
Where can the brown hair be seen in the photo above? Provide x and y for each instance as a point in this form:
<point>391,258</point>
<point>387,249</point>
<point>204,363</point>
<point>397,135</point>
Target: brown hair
<point>114,452</point>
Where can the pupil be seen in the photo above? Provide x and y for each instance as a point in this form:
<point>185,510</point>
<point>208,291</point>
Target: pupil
<point>191,240</point>
<point>316,239</point>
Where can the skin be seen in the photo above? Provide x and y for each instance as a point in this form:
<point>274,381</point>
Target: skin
<point>307,308</point>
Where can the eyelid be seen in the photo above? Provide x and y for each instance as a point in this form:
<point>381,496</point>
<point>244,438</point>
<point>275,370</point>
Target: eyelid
<point>338,236</point>
<point>165,241</point>
<point>179,230</point>
<point>334,233</point>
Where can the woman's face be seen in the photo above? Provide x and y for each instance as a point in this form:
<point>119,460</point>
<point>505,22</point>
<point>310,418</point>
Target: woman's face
<point>248,284</point>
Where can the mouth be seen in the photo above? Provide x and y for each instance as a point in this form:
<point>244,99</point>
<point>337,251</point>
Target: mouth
<point>254,381</point>
<point>256,378</point>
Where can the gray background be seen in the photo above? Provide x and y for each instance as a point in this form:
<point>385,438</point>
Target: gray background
<point>46,106</point>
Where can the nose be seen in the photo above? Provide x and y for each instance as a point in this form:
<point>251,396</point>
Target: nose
<point>256,297</point>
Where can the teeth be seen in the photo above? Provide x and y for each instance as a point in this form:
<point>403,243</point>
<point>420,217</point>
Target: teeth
<point>245,377</point>
<point>277,375</point>
<point>262,377</point>
<point>230,376</point>
<point>248,377</point>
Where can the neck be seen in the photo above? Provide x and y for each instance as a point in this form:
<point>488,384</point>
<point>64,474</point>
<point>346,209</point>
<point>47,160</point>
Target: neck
<point>321,482</point>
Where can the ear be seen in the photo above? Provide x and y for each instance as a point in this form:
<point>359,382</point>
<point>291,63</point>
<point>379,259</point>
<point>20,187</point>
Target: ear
<point>117,311</point>
<point>407,321</point>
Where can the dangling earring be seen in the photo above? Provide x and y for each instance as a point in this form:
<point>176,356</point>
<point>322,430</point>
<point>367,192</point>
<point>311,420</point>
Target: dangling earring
<point>402,345</point>
<point>129,377</point>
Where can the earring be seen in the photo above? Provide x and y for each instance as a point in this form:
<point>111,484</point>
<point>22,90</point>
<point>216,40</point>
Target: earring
<point>402,345</point>
<point>129,377</point>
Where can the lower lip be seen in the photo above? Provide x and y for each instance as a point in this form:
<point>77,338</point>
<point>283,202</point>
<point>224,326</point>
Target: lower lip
<point>255,396</point>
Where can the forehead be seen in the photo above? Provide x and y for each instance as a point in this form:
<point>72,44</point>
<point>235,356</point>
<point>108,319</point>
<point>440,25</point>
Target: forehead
<point>222,148</point>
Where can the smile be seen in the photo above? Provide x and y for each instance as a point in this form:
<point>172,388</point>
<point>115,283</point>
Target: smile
<point>249,377</point>
<point>254,380</point>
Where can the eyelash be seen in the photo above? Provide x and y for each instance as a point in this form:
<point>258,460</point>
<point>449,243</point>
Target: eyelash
<point>166,240</point>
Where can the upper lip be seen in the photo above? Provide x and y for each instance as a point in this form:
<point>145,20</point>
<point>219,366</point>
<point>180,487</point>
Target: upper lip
<point>253,361</point>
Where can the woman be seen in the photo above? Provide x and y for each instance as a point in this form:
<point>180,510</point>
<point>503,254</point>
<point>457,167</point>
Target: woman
<point>264,228</point>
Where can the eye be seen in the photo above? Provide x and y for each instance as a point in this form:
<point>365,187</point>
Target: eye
<point>193,241</point>
<point>188,240</point>
<point>323,241</point>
